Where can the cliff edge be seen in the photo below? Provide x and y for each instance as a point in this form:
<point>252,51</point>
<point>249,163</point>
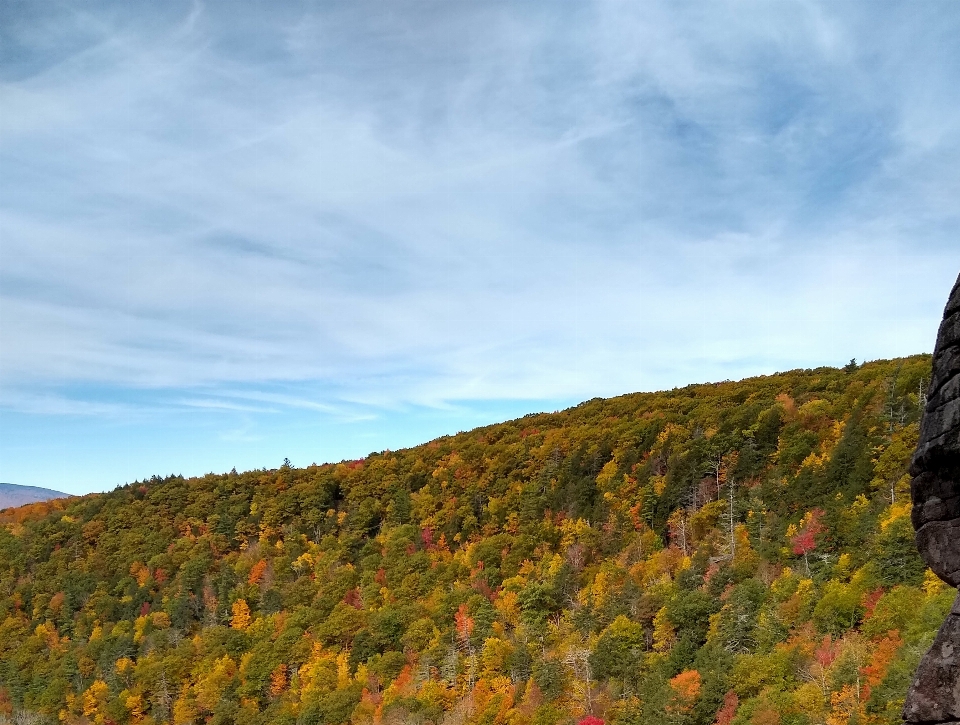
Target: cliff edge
<point>934,696</point>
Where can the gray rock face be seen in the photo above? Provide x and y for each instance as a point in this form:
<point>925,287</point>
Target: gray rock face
<point>934,696</point>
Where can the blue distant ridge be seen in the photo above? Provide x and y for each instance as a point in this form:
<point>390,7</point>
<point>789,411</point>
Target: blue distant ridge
<point>13,495</point>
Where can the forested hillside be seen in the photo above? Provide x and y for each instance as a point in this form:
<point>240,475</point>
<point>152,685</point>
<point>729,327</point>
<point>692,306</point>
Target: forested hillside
<point>729,553</point>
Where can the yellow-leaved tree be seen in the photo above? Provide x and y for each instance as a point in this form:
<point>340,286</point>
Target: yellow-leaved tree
<point>241,614</point>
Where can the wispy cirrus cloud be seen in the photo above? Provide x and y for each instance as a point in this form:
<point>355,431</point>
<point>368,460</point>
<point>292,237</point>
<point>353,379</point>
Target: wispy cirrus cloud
<point>353,207</point>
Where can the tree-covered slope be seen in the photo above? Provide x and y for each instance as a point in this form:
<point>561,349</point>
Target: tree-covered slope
<point>739,552</point>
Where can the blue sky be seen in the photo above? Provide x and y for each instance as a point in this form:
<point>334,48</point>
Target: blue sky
<point>236,232</point>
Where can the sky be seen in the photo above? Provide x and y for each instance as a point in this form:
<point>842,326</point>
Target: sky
<point>237,232</point>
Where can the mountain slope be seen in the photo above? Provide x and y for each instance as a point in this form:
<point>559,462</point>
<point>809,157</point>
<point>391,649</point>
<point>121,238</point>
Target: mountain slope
<point>723,553</point>
<point>13,495</point>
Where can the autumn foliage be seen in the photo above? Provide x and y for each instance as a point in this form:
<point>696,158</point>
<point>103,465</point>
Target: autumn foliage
<point>737,553</point>
<point>686,690</point>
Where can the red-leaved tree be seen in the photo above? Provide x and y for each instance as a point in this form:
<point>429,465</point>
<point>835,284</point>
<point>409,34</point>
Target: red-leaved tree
<point>728,711</point>
<point>805,540</point>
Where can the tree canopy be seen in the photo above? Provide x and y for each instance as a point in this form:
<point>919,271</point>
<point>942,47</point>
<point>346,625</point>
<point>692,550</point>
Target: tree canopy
<point>729,553</point>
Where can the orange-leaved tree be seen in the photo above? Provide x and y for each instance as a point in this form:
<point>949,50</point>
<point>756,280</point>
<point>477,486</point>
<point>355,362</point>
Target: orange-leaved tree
<point>685,691</point>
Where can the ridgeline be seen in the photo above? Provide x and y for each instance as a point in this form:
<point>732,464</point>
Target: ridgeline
<point>13,495</point>
<point>733,553</point>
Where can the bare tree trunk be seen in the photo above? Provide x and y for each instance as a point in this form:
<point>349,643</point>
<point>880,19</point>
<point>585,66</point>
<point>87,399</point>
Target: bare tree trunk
<point>733,538</point>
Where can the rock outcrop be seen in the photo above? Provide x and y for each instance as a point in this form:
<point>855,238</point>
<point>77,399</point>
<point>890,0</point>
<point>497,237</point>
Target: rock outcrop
<point>934,696</point>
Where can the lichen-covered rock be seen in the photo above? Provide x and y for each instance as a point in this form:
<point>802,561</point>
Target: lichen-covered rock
<point>934,696</point>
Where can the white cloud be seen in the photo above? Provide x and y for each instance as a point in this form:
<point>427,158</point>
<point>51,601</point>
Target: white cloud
<point>428,204</point>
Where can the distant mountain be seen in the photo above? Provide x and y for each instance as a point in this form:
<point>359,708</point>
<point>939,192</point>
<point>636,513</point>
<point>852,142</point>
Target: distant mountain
<point>13,495</point>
